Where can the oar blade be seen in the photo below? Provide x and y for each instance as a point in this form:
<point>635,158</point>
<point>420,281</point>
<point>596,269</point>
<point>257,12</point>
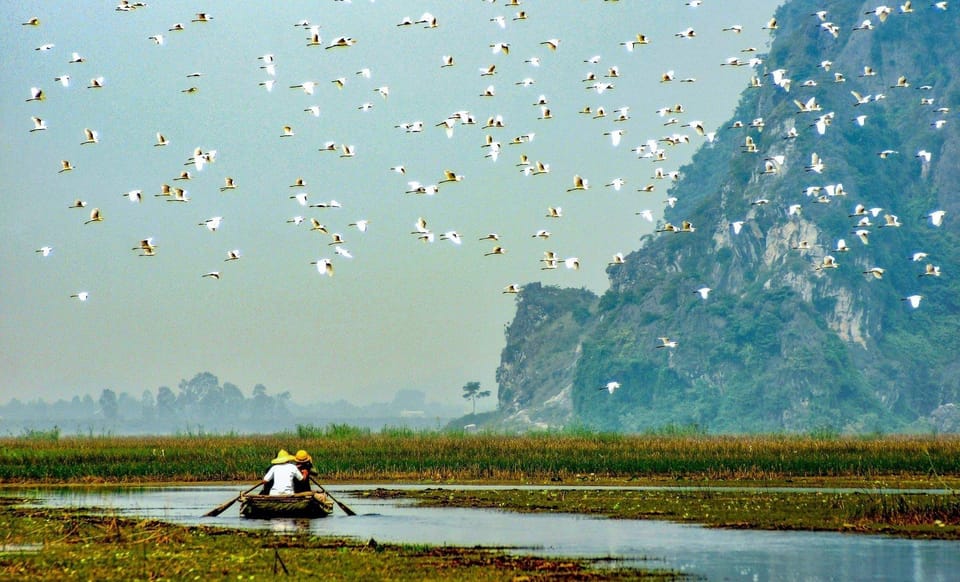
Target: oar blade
<point>340,504</point>
<point>221,508</point>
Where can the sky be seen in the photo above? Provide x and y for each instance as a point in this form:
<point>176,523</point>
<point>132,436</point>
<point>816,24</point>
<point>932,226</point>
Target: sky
<point>399,313</point>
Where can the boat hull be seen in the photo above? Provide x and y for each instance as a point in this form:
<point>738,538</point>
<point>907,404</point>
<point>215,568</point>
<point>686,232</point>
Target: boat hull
<point>300,505</point>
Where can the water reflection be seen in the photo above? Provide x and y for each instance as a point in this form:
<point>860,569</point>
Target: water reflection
<point>714,553</point>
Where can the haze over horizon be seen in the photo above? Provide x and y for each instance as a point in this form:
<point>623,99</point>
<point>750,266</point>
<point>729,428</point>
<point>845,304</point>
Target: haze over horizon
<point>400,314</point>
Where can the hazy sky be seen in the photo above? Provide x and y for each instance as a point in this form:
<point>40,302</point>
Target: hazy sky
<point>401,313</point>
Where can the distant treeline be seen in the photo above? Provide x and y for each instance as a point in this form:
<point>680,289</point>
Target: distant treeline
<point>198,404</point>
<point>202,405</point>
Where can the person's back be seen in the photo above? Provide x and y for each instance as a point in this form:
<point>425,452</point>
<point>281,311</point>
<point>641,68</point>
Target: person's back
<point>282,475</point>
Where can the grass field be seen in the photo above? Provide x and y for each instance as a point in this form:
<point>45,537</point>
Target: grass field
<point>347,454</point>
<point>94,546</point>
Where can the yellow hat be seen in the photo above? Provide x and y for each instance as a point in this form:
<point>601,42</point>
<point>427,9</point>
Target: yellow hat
<point>302,456</point>
<point>282,457</point>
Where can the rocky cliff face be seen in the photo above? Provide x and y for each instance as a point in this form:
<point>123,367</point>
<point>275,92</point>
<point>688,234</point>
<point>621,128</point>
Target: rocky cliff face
<point>783,341</point>
<point>537,365</point>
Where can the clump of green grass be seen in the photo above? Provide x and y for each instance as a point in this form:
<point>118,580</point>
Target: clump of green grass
<point>909,509</point>
<point>52,435</point>
<point>678,430</point>
<point>331,431</point>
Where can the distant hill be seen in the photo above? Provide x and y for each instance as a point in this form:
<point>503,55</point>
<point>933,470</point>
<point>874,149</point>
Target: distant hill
<point>783,341</point>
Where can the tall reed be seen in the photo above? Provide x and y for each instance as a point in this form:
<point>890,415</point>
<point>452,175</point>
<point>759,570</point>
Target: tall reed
<point>347,453</point>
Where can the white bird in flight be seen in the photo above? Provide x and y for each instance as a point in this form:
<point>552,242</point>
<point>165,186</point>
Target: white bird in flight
<point>90,137</point>
<point>616,183</point>
<point>341,42</point>
<point>95,216</point>
<point>579,183</point>
<point>147,247</point>
<point>930,270</point>
<point>212,224</point>
<point>452,236</point>
<point>666,342</point>
<point>913,300</point>
<point>314,225</point>
<point>360,225</point>
<point>324,266</point>
<point>611,386</point>
<point>307,86</point>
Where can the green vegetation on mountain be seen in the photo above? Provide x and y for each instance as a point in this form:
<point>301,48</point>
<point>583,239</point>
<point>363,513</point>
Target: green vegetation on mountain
<point>780,345</point>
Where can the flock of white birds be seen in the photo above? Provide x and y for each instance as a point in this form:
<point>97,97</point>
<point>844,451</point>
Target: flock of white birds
<point>643,172</point>
<point>200,160</point>
<point>866,220</point>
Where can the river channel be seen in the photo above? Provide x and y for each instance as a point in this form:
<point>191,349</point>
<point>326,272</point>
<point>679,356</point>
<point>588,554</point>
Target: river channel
<point>715,554</point>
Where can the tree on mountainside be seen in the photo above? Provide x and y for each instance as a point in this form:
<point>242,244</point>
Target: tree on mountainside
<point>471,391</point>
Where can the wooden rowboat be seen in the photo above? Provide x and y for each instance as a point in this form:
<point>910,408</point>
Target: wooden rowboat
<point>307,505</point>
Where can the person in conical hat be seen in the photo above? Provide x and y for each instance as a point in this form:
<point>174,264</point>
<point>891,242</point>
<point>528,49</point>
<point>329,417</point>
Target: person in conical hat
<point>305,463</point>
<point>282,457</point>
<point>282,475</point>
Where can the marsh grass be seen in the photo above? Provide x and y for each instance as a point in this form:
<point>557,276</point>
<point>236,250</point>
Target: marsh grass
<point>78,545</point>
<point>915,516</point>
<point>900,509</point>
<point>346,453</point>
<point>52,435</point>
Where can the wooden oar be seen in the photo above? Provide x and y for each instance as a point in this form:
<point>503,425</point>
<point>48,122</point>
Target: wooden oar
<point>221,508</point>
<point>340,504</point>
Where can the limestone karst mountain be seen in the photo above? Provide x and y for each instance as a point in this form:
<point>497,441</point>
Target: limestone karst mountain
<point>805,223</point>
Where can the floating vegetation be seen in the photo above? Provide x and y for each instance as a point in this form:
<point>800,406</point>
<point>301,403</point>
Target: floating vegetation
<point>78,545</point>
<point>915,515</point>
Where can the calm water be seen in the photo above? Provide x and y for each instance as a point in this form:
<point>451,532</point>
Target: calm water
<point>713,553</point>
